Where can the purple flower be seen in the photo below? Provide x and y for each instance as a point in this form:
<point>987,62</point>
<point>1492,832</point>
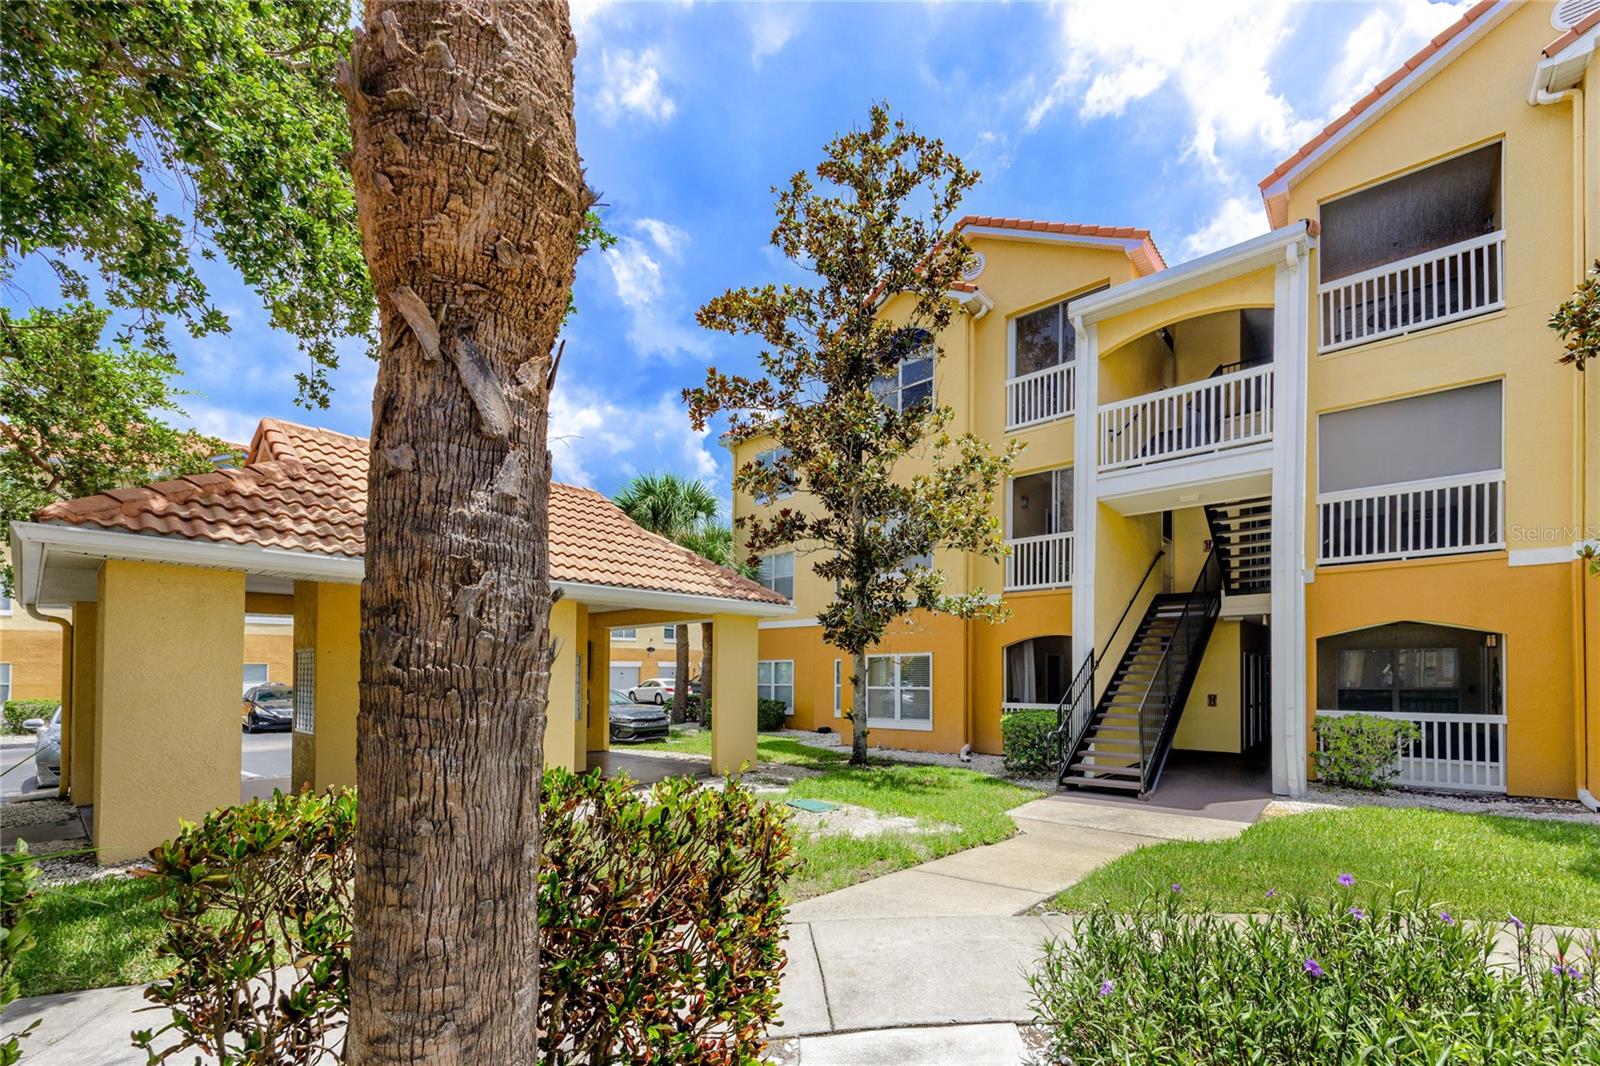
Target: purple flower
<point>1574,973</point>
<point>1357,913</point>
<point>1105,988</point>
<point>1313,968</point>
<point>1347,880</point>
<point>1177,887</point>
<point>1271,892</point>
<point>1444,916</point>
<point>1556,969</point>
<point>1516,923</point>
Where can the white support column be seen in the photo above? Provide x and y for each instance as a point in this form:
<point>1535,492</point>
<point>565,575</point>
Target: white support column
<point>1291,355</point>
<point>1085,487</point>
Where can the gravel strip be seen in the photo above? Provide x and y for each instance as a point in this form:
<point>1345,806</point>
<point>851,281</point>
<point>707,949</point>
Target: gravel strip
<point>1319,798</point>
<point>17,813</point>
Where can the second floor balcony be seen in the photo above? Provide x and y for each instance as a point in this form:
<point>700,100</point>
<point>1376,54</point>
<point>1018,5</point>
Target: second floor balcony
<point>1231,409</point>
<point>1040,396</point>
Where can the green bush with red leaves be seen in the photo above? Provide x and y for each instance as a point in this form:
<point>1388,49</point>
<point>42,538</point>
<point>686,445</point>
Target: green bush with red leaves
<point>660,924</point>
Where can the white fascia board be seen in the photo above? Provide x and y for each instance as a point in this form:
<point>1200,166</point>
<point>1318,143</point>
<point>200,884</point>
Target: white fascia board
<point>32,543</point>
<point>1564,70</point>
<point>1005,233</point>
<point>1397,92</point>
<point>622,598</point>
<point>1257,253</point>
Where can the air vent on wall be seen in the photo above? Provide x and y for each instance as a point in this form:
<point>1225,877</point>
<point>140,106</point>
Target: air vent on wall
<point>1568,13</point>
<point>979,262</point>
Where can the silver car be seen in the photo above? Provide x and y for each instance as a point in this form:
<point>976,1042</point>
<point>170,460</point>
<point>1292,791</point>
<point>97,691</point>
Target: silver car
<point>46,748</point>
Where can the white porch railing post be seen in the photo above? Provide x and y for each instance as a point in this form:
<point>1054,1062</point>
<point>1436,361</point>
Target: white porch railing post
<point>1206,416</point>
<point>1042,562</point>
<point>1440,516</point>
<point>1463,752</point>
<point>1040,396</point>
<point>1457,281</point>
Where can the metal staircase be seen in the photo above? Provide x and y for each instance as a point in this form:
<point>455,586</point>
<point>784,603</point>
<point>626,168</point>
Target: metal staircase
<point>1241,534</point>
<point>1122,743</point>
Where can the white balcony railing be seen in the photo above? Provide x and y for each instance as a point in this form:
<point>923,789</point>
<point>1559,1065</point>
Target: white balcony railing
<point>1466,752</point>
<point>1212,415</point>
<point>1441,516</point>
<point>1039,562</point>
<point>1457,281</point>
<point>1012,706</point>
<point>1041,396</point>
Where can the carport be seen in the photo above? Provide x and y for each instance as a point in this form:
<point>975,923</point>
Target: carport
<point>159,579</point>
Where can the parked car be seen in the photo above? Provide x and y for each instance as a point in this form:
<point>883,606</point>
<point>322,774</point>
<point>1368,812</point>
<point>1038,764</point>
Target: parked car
<point>629,721</point>
<point>46,748</point>
<point>268,708</point>
<point>657,690</point>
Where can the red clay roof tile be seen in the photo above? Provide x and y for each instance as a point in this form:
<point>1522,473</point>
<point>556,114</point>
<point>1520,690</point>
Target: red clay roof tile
<point>1146,256</point>
<point>305,489</point>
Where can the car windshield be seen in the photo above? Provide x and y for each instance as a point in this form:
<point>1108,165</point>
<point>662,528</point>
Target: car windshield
<point>619,697</point>
<point>275,696</point>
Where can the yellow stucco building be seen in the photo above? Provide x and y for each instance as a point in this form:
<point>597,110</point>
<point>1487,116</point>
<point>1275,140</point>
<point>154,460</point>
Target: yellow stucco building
<point>1335,469</point>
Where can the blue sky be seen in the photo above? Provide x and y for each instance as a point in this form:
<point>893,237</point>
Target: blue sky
<point>1161,115</point>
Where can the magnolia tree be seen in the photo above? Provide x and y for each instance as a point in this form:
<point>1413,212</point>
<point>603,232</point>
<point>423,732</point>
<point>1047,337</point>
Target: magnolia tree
<point>882,478</point>
<point>1577,323</point>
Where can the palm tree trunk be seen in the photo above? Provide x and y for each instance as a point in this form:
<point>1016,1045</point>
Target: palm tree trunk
<point>470,196</point>
<point>680,687</point>
<point>705,670</point>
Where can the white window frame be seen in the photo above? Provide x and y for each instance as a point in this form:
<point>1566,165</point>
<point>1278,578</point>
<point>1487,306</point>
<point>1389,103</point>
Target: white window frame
<point>897,722</point>
<point>772,686</point>
<point>5,683</point>
<point>625,633</point>
<point>5,606</point>
<point>885,391</point>
<point>838,688</point>
<point>766,458</point>
<point>770,580</point>
<point>266,673</point>
<point>669,632</point>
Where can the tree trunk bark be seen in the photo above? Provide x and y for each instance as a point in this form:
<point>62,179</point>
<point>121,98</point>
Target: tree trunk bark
<point>470,196</point>
<point>706,638</point>
<point>858,708</point>
<point>680,685</point>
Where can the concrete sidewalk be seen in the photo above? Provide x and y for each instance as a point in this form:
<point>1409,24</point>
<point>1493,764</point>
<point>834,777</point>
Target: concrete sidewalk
<point>929,965</point>
<point>923,967</point>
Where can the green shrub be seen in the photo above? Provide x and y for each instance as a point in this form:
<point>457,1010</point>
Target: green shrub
<point>1026,743</point>
<point>771,714</point>
<point>1342,980</point>
<point>17,903</point>
<point>1358,750</point>
<point>660,924</point>
<point>19,711</point>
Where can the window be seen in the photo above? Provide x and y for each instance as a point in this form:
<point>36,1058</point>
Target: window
<point>1437,435</point>
<point>775,681</point>
<point>5,605</point>
<point>305,690</point>
<point>770,458</point>
<point>900,691</point>
<point>669,632</point>
<point>1041,503</point>
<point>838,687</point>
<point>256,674</point>
<point>1037,670</point>
<point>1044,338</point>
<point>1411,668</point>
<point>5,682</point>
<point>909,384</point>
<point>628,633</point>
<point>776,572</point>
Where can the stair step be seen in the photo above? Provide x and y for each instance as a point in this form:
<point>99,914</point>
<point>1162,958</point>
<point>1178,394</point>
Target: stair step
<point>1079,781</point>
<point>1106,770</point>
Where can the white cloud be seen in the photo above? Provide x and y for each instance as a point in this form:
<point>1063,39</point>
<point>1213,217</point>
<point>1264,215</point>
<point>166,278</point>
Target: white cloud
<point>1388,36</point>
<point>1214,55</point>
<point>235,427</point>
<point>1238,219</point>
<point>639,269</point>
<point>771,27</point>
<point>631,83</point>
<point>590,433</point>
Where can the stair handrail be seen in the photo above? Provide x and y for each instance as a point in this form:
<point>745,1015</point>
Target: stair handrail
<point>1202,603</point>
<point>1067,739</point>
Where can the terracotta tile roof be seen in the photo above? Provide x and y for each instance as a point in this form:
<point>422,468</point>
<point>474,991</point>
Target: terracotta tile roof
<point>1145,255</point>
<point>305,489</point>
<point>1427,51</point>
<point>1583,26</point>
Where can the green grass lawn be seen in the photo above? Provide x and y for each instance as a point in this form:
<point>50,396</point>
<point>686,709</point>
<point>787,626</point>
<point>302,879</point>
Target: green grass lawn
<point>92,934</point>
<point>968,807</point>
<point>1481,866</point>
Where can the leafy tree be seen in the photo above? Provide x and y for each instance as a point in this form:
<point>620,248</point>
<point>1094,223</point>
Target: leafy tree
<point>471,200</point>
<point>108,103</point>
<point>682,510</point>
<point>883,477</point>
<point>77,418</point>
<point>1577,323</point>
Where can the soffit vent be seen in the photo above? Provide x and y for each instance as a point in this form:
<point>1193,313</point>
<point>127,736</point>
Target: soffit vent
<point>1568,13</point>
